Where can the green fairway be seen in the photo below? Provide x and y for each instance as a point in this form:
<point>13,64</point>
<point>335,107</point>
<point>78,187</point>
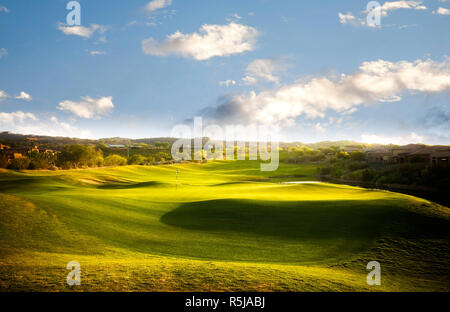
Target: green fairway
<point>223,225</point>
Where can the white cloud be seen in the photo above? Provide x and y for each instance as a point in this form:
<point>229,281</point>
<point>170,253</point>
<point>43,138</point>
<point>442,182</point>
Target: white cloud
<point>227,83</point>
<point>4,9</point>
<point>233,17</point>
<point>400,140</point>
<point>210,41</point>
<point>12,118</point>
<point>442,11</point>
<point>395,5</point>
<point>345,18</point>
<point>319,128</point>
<point>3,52</point>
<point>3,95</point>
<point>157,4</point>
<point>350,19</point>
<point>23,96</point>
<point>64,129</point>
<point>376,81</point>
<point>263,70</point>
<point>88,107</point>
<point>28,123</point>
<point>95,52</point>
<point>82,31</point>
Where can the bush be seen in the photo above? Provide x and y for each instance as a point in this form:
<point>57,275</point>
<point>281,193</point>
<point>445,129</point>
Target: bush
<point>3,161</point>
<point>21,163</point>
<point>77,155</point>
<point>137,159</point>
<point>357,156</point>
<point>115,160</point>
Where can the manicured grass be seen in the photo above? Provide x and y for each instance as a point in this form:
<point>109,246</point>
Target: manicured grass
<point>223,225</point>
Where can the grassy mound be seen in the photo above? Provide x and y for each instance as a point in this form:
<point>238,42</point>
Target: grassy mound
<point>218,226</point>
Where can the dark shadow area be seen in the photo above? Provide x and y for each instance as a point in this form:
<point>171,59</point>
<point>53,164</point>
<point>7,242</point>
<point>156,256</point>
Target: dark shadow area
<point>130,185</point>
<point>350,220</point>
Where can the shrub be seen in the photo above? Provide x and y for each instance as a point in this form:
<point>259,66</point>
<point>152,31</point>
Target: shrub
<point>21,163</point>
<point>3,161</point>
<point>115,160</point>
<point>357,156</point>
<point>137,159</point>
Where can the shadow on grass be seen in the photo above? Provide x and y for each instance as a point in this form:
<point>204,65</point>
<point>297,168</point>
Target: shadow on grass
<point>131,185</point>
<point>355,221</point>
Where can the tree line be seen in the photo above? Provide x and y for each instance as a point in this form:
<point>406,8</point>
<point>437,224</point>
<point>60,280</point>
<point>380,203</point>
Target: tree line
<point>75,156</point>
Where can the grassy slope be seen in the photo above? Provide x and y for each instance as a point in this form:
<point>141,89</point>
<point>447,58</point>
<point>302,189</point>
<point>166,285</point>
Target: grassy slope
<point>227,226</point>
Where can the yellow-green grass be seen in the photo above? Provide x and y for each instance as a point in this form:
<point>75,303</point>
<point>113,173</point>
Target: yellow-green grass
<point>219,226</point>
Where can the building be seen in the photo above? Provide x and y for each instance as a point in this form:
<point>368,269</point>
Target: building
<point>413,153</point>
<point>440,158</point>
<point>400,154</point>
<point>379,156</point>
<point>116,145</point>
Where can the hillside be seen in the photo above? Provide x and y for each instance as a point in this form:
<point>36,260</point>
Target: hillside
<point>218,226</point>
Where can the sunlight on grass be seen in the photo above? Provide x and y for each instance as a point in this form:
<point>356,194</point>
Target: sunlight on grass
<point>221,226</point>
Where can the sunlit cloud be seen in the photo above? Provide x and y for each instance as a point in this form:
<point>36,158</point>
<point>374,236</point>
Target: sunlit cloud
<point>23,96</point>
<point>375,81</point>
<point>88,107</point>
<point>401,140</point>
<point>210,41</point>
<point>157,4</point>
<point>82,31</point>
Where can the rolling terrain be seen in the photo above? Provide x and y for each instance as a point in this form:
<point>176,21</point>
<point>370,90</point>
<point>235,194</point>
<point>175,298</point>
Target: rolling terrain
<point>219,226</point>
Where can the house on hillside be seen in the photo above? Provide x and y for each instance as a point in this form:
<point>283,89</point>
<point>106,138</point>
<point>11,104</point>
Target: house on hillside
<point>379,156</point>
<point>116,145</point>
<point>440,158</point>
<point>413,153</point>
<point>400,154</point>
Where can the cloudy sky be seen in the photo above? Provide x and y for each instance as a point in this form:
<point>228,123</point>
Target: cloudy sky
<point>316,69</point>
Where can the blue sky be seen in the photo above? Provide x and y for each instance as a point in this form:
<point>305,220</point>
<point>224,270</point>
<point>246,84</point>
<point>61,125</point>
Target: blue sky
<point>316,69</point>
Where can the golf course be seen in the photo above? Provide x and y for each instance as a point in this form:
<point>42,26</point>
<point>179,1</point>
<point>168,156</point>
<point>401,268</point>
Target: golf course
<point>216,226</point>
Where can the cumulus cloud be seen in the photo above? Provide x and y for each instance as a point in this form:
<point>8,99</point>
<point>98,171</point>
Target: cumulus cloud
<point>3,95</point>
<point>88,107</point>
<point>263,70</point>
<point>227,83</point>
<point>3,52</point>
<point>210,41</point>
<point>319,128</point>
<point>82,31</point>
<point>442,11</point>
<point>8,119</point>
<point>28,123</point>
<point>346,18</point>
<point>400,140</point>
<point>23,96</point>
<point>157,4</point>
<point>375,81</point>
<point>96,52</point>
<point>395,5</point>
<point>350,19</point>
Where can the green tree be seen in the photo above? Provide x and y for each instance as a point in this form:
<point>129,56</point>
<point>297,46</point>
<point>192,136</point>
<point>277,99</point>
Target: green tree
<point>357,156</point>
<point>77,156</point>
<point>3,161</point>
<point>115,160</point>
<point>137,159</point>
<point>20,163</point>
